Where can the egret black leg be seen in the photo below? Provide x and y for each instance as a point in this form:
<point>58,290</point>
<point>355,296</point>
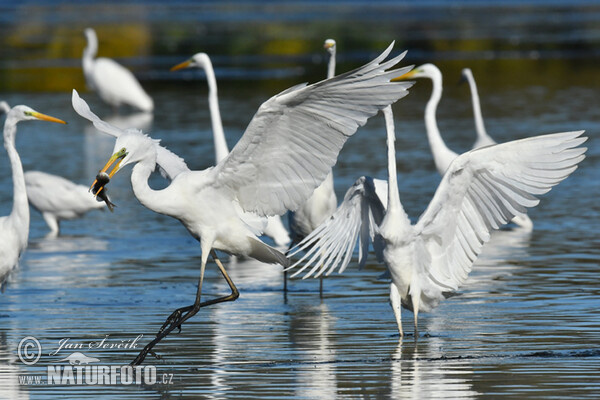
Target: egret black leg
<point>182,314</point>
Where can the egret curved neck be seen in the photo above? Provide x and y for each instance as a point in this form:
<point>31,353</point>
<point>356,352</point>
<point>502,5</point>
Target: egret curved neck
<point>88,56</point>
<point>20,210</point>
<point>442,155</point>
<point>394,205</point>
<point>479,126</point>
<point>149,197</point>
<point>221,149</point>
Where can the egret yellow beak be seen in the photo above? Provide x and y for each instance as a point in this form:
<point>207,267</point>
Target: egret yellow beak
<point>183,65</point>
<point>406,76</point>
<point>45,117</point>
<point>117,157</point>
<point>327,45</point>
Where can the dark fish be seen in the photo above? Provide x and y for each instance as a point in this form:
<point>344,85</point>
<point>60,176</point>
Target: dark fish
<point>99,189</point>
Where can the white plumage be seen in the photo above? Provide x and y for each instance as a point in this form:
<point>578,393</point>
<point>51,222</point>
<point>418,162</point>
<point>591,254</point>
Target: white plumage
<point>115,84</point>
<point>286,151</point>
<point>481,190</point>
<point>57,198</point>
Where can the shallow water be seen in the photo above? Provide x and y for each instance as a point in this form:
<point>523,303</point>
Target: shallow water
<point>526,323</point>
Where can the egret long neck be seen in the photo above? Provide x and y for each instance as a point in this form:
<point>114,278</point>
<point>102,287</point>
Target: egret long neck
<point>149,197</point>
<point>331,64</point>
<point>442,155</point>
<point>479,126</point>
<point>88,57</point>
<point>394,208</point>
<point>20,211</point>
<point>221,149</point>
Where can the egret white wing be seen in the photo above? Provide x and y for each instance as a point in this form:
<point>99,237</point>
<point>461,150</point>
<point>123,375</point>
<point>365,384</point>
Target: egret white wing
<point>295,137</point>
<point>170,164</point>
<point>332,243</point>
<point>484,189</point>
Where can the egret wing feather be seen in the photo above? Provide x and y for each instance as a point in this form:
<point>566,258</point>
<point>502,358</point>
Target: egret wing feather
<point>484,189</point>
<point>294,139</point>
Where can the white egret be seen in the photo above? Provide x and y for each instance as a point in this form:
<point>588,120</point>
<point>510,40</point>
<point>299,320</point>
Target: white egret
<point>481,190</point>
<point>286,151</point>
<point>274,227</point>
<point>442,155</point>
<point>323,202</point>
<point>114,83</point>
<point>14,228</point>
<point>55,197</point>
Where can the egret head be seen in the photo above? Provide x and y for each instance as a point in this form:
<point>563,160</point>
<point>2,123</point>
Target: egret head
<point>90,35</point>
<point>25,113</point>
<point>329,45</point>
<point>465,75</point>
<point>198,60</point>
<point>423,71</point>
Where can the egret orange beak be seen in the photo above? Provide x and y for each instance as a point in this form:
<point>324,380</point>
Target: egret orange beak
<point>408,75</point>
<point>45,117</point>
<point>97,187</point>
<point>183,65</point>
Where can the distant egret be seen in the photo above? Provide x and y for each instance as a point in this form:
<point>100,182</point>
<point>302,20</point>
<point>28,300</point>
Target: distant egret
<point>14,228</point>
<point>442,155</point>
<point>114,83</point>
<point>286,152</point>
<point>323,202</point>
<point>274,227</point>
<point>481,191</point>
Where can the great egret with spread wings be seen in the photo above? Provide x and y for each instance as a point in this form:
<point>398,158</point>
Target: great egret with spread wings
<point>114,83</point>
<point>273,226</point>
<point>286,151</point>
<point>14,228</point>
<point>442,155</point>
<point>481,191</point>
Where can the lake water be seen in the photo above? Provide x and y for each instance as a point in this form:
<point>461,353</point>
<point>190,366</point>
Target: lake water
<point>526,323</point>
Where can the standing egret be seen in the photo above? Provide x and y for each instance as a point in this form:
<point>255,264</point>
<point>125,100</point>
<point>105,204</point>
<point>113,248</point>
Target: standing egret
<point>323,202</point>
<point>14,228</point>
<point>442,155</point>
<point>55,197</point>
<point>481,190</point>
<point>114,83</point>
<point>286,151</point>
<point>274,227</point>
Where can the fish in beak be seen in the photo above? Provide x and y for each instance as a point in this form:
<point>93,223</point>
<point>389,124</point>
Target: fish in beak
<point>102,179</point>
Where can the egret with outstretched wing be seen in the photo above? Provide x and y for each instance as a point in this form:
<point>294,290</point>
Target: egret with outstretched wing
<point>286,151</point>
<point>481,191</point>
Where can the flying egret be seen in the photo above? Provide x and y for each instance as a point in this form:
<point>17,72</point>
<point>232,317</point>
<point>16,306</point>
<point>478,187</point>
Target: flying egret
<point>14,228</point>
<point>481,190</point>
<point>274,227</point>
<point>286,152</point>
<point>55,197</point>
<point>323,202</point>
<point>114,83</point>
<point>442,155</point>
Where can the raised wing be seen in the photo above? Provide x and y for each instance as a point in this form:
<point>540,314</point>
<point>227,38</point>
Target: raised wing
<point>484,189</point>
<point>295,137</point>
<point>333,242</point>
<point>169,163</point>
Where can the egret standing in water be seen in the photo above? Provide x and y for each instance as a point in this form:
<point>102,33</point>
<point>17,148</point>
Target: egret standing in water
<point>55,197</point>
<point>114,83</point>
<point>481,191</point>
<point>323,202</point>
<point>274,227</point>
<point>286,151</point>
<point>442,155</point>
<point>14,228</point>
